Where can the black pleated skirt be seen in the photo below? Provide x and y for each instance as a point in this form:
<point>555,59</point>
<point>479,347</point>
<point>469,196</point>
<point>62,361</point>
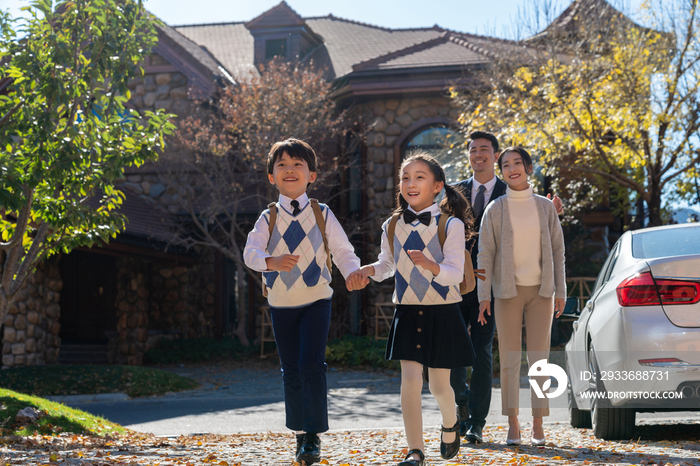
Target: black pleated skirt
<point>435,336</point>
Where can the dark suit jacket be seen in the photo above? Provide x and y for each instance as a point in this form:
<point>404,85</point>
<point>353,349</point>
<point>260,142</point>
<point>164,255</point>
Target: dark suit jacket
<point>473,244</point>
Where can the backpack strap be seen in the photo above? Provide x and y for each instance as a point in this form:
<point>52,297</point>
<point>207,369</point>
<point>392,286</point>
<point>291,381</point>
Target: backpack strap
<point>273,218</point>
<point>390,231</point>
<point>468,280</point>
<point>271,226</point>
<point>321,222</point>
<point>442,229</point>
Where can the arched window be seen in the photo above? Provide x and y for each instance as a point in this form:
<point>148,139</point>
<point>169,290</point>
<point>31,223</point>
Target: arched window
<point>447,146</point>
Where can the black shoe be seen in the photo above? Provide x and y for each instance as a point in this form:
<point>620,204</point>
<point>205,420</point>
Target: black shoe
<point>463,413</point>
<point>310,451</point>
<point>474,435</point>
<point>300,442</point>
<point>450,450</point>
<point>410,461</point>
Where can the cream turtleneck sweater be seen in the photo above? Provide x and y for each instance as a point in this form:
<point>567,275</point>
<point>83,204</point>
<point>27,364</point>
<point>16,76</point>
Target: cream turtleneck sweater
<point>527,248</point>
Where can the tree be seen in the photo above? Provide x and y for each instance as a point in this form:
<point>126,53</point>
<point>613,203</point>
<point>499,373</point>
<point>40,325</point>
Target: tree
<point>65,133</point>
<point>619,105</point>
<point>220,167</point>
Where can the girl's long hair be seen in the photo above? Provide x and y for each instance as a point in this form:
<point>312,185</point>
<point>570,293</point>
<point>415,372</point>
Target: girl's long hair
<point>454,203</point>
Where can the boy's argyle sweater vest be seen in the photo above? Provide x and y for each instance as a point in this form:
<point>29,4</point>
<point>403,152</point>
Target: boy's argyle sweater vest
<point>415,285</point>
<point>310,278</point>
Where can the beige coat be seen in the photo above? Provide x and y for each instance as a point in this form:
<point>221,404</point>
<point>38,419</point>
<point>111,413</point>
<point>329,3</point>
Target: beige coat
<point>496,251</point>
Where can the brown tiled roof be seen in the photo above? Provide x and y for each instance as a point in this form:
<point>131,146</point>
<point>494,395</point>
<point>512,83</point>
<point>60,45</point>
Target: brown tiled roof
<point>230,43</point>
<point>278,16</point>
<point>349,43</point>
<point>205,59</point>
<point>441,51</point>
<point>346,43</point>
<point>351,46</point>
<point>581,11</point>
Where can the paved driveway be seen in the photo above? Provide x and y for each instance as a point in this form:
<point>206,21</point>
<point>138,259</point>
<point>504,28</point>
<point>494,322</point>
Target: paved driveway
<point>243,400</point>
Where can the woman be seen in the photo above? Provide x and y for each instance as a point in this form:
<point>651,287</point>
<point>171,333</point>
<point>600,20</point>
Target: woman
<point>521,247</point>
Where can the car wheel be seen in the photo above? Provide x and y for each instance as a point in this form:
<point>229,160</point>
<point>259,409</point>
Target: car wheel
<point>577,418</point>
<point>608,422</point>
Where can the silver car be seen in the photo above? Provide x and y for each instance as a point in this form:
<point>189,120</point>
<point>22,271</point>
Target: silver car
<point>636,344</point>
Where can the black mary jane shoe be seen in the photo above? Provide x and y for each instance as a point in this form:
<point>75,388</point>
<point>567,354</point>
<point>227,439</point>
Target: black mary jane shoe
<point>450,450</point>
<point>310,451</point>
<point>410,461</point>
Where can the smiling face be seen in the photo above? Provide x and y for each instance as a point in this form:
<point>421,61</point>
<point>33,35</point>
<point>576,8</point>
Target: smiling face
<point>291,176</point>
<point>418,185</point>
<point>515,171</point>
<point>482,158</point>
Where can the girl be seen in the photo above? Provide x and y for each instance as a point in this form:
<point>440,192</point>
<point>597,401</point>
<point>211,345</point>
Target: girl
<point>427,329</point>
<point>521,246</point>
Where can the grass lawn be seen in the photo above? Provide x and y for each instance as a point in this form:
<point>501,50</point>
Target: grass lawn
<point>90,379</point>
<point>56,417</point>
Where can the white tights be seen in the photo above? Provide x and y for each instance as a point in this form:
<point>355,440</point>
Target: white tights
<point>411,387</point>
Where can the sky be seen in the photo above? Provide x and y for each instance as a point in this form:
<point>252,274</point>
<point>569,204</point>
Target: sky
<point>494,17</point>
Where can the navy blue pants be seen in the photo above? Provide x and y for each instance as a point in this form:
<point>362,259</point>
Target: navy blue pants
<point>301,335</point>
<point>477,394</point>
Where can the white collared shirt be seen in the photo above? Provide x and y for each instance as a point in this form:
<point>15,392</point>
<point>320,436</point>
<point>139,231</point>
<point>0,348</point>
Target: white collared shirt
<point>451,267</point>
<point>342,252</point>
<point>489,189</point>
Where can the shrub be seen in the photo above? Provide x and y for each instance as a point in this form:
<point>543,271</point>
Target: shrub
<point>197,350</point>
<point>353,351</point>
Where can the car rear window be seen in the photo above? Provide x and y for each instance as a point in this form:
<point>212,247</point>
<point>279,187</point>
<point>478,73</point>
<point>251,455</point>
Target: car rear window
<point>666,243</point>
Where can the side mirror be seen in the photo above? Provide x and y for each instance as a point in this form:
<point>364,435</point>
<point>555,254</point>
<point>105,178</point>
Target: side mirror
<point>572,308</point>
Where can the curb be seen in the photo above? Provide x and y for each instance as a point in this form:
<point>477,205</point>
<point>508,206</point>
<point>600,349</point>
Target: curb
<point>103,397</point>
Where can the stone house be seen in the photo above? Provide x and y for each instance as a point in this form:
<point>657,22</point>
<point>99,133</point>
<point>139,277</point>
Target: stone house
<point>112,302</point>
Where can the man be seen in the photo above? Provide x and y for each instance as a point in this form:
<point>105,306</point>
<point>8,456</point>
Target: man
<point>473,401</point>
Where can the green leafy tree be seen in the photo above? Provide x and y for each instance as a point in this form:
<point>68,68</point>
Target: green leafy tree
<point>619,106</point>
<point>65,133</point>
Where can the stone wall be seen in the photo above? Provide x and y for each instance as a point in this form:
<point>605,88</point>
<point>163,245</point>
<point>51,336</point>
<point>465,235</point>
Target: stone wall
<point>132,312</point>
<point>182,298</point>
<point>160,299</point>
<point>31,326</point>
<point>167,91</point>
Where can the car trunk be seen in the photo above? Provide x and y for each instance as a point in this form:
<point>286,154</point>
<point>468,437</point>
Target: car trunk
<point>685,268</point>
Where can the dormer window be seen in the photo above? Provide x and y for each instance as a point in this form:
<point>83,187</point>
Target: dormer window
<point>281,32</point>
<point>275,48</point>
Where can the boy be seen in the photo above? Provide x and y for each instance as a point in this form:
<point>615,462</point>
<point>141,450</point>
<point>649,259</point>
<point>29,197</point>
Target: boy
<point>297,275</point>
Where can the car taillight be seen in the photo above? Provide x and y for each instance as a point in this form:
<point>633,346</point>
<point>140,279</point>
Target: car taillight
<point>643,290</point>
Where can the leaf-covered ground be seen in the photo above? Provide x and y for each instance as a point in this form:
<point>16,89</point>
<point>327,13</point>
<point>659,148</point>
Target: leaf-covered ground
<point>353,448</point>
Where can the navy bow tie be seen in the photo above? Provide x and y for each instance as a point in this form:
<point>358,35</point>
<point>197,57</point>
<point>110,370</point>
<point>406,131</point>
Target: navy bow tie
<point>410,217</point>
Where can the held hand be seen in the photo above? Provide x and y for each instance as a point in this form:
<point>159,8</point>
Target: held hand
<point>283,263</point>
<point>480,274</point>
<point>484,306</point>
<point>559,305</point>
<point>359,278</point>
<point>420,260</point>
<point>558,204</point>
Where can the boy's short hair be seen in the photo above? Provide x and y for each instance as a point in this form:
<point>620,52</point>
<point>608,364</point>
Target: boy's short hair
<point>295,149</point>
<point>483,135</point>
